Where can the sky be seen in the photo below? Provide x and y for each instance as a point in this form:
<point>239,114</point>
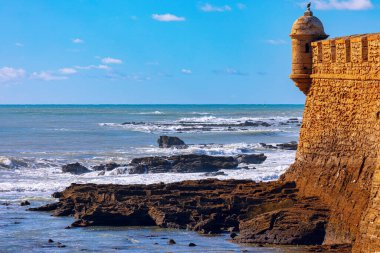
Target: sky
<point>160,52</point>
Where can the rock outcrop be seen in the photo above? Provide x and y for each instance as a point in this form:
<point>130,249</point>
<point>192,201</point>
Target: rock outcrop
<point>75,168</point>
<point>181,164</point>
<point>263,212</point>
<point>170,141</point>
<point>191,163</point>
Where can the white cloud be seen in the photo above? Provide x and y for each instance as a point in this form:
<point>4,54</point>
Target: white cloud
<point>276,42</point>
<point>167,17</point>
<point>241,6</point>
<point>18,44</point>
<point>89,67</point>
<point>8,74</point>
<point>68,71</point>
<point>211,8</point>
<point>230,71</point>
<point>77,41</point>
<point>47,76</point>
<point>343,4</point>
<point>109,60</point>
<point>186,71</point>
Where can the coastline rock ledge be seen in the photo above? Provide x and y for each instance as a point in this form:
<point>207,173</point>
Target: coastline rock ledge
<point>329,195</point>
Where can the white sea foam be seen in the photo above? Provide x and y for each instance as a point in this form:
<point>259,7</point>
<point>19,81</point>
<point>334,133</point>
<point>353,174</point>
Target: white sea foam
<point>150,113</point>
<point>42,181</point>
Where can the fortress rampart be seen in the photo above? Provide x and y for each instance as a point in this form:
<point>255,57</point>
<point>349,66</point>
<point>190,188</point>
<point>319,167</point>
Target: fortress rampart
<point>338,153</point>
<point>348,58</point>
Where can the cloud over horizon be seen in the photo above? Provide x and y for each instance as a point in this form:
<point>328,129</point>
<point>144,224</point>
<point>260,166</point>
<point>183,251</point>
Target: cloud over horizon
<point>46,76</point>
<point>68,71</point>
<point>8,74</point>
<point>343,4</point>
<point>212,8</point>
<point>167,17</point>
<point>186,71</point>
<point>109,60</point>
<point>78,41</point>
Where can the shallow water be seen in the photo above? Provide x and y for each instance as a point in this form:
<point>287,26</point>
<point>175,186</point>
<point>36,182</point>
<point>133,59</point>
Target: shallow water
<point>38,140</point>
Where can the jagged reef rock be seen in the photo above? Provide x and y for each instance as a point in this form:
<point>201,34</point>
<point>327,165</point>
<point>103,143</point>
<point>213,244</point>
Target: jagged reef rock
<point>106,167</point>
<point>264,212</point>
<point>75,168</point>
<point>191,163</point>
<point>181,164</point>
<point>169,141</point>
<point>251,158</point>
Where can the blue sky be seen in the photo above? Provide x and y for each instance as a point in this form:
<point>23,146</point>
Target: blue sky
<point>168,51</point>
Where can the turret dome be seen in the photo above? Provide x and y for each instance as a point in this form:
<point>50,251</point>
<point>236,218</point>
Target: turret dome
<point>308,25</point>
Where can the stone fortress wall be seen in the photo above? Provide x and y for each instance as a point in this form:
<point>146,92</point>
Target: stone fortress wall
<point>338,153</point>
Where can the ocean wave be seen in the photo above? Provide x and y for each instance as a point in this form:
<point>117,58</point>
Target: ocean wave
<point>149,113</point>
<point>44,181</point>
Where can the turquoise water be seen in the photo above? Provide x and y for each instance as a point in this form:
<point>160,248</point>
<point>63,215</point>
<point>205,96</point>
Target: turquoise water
<point>37,140</point>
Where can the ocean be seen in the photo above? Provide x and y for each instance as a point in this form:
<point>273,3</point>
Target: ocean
<point>36,140</point>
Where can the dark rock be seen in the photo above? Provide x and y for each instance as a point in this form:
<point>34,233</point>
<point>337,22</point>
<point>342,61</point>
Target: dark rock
<point>305,225</point>
<point>264,145</point>
<point>270,212</point>
<point>169,141</point>
<point>102,173</point>
<point>74,168</point>
<point>252,159</point>
<point>288,146</point>
<point>233,235</point>
<point>106,167</point>
<point>181,164</point>
<point>171,242</point>
<point>249,123</point>
<point>57,195</point>
<point>25,203</point>
<point>192,244</point>
<point>50,241</point>
<point>214,174</point>
<point>46,208</point>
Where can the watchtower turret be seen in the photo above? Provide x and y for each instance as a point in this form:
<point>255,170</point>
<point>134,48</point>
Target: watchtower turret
<point>305,30</point>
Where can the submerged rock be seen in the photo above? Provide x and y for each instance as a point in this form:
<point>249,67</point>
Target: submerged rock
<point>106,167</point>
<point>25,203</point>
<point>214,174</point>
<point>252,158</point>
<point>75,168</point>
<point>249,123</point>
<point>169,141</point>
<point>288,146</point>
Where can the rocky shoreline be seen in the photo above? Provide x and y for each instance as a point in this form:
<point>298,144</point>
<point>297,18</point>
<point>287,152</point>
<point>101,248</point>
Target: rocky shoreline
<point>262,213</point>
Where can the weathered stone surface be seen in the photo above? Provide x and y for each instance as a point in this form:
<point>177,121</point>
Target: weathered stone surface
<point>169,141</point>
<point>303,224</point>
<point>338,154</point>
<point>74,168</point>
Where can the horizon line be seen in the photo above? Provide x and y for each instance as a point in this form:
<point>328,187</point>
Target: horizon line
<point>160,104</point>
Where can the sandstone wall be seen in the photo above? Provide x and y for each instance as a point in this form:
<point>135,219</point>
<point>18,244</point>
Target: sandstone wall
<point>337,157</point>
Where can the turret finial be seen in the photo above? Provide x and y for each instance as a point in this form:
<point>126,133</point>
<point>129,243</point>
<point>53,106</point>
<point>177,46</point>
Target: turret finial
<point>308,12</point>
